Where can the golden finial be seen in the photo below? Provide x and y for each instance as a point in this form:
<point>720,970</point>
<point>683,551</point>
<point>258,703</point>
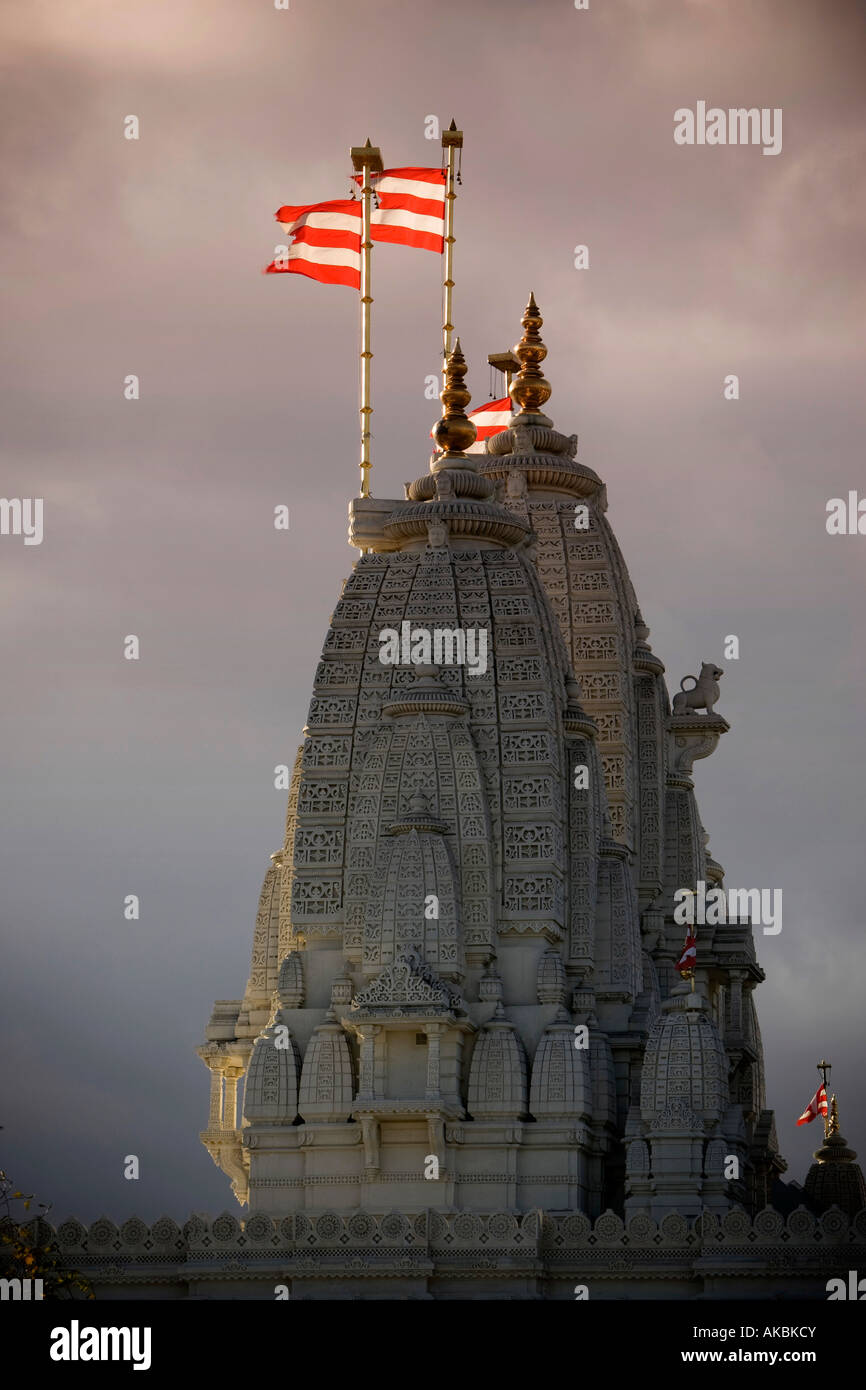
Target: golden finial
<point>455,431</point>
<point>529,390</point>
<point>833,1122</point>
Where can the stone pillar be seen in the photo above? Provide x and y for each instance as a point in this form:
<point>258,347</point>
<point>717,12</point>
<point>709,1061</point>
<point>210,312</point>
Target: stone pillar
<point>370,1137</point>
<point>716,1189</point>
<point>638,1183</point>
<point>436,1140</point>
<point>735,1007</point>
<point>367,1058</point>
<point>230,1104</point>
<point>433,1031</point>
<point>215,1118</point>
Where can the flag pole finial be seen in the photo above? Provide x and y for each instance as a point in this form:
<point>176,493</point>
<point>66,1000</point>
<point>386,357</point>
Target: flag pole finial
<point>529,390</point>
<point>454,433</point>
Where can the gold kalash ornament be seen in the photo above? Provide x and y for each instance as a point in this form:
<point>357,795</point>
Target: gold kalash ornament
<point>455,432</point>
<point>529,389</point>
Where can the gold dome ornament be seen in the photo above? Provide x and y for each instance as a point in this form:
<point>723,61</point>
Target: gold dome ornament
<point>455,432</point>
<point>529,390</point>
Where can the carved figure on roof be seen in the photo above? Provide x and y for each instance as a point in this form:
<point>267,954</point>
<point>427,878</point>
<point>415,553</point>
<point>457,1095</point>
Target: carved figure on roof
<point>704,692</point>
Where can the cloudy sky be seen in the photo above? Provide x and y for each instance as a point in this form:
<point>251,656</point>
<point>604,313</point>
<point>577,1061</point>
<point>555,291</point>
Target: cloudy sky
<point>118,257</point>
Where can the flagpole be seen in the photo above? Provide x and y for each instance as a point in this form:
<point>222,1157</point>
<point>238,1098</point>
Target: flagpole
<point>366,160</point>
<point>452,139</point>
<point>823,1067</point>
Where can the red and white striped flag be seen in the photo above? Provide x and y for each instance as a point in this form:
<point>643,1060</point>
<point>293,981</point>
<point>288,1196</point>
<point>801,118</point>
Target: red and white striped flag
<point>689,958</point>
<point>325,242</point>
<point>817,1106</point>
<point>490,419</point>
<point>411,209</point>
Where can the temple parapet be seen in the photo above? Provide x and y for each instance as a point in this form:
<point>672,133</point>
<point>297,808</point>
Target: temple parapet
<point>322,1254</point>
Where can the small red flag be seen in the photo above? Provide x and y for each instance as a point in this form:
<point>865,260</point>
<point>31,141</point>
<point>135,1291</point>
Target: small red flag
<point>689,958</point>
<point>817,1106</point>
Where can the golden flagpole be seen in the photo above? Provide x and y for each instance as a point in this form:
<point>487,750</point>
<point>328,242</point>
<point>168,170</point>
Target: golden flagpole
<point>823,1068</point>
<point>366,160</point>
<point>452,139</point>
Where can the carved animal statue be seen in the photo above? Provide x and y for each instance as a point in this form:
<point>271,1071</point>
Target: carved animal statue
<point>704,692</point>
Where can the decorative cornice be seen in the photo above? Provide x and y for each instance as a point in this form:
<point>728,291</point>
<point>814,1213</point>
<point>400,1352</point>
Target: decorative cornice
<point>464,518</point>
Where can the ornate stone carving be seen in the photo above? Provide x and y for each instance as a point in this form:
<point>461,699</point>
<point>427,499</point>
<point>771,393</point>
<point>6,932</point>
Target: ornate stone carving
<point>497,1076</point>
<point>408,984</point>
<point>704,692</point>
<point>272,1080</point>
<point>551,982</point>
<point>290,982</point>
<point>327,1086</point>
<point>690,737</point>
<point>560,1075</point>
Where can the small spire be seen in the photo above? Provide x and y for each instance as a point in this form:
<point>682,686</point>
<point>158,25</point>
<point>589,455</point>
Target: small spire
<point>835,1179</point>
<point>454,432</point>
<point>529,390</point>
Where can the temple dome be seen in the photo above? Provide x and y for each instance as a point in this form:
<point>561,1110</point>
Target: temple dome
<point>271,1093</point>
<point>835,1179</point>
<point>497,1075</point>
<point>685,1071</point>
<point>561,1086</point>
<point>327,1090</point>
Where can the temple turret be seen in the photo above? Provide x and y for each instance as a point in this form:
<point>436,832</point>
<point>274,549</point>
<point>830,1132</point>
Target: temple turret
<point>835,1179</point>
<point>683,1100</point>
<point>459,995</point>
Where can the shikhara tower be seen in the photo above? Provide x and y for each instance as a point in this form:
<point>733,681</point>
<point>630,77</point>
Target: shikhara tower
<point>478,877</point>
